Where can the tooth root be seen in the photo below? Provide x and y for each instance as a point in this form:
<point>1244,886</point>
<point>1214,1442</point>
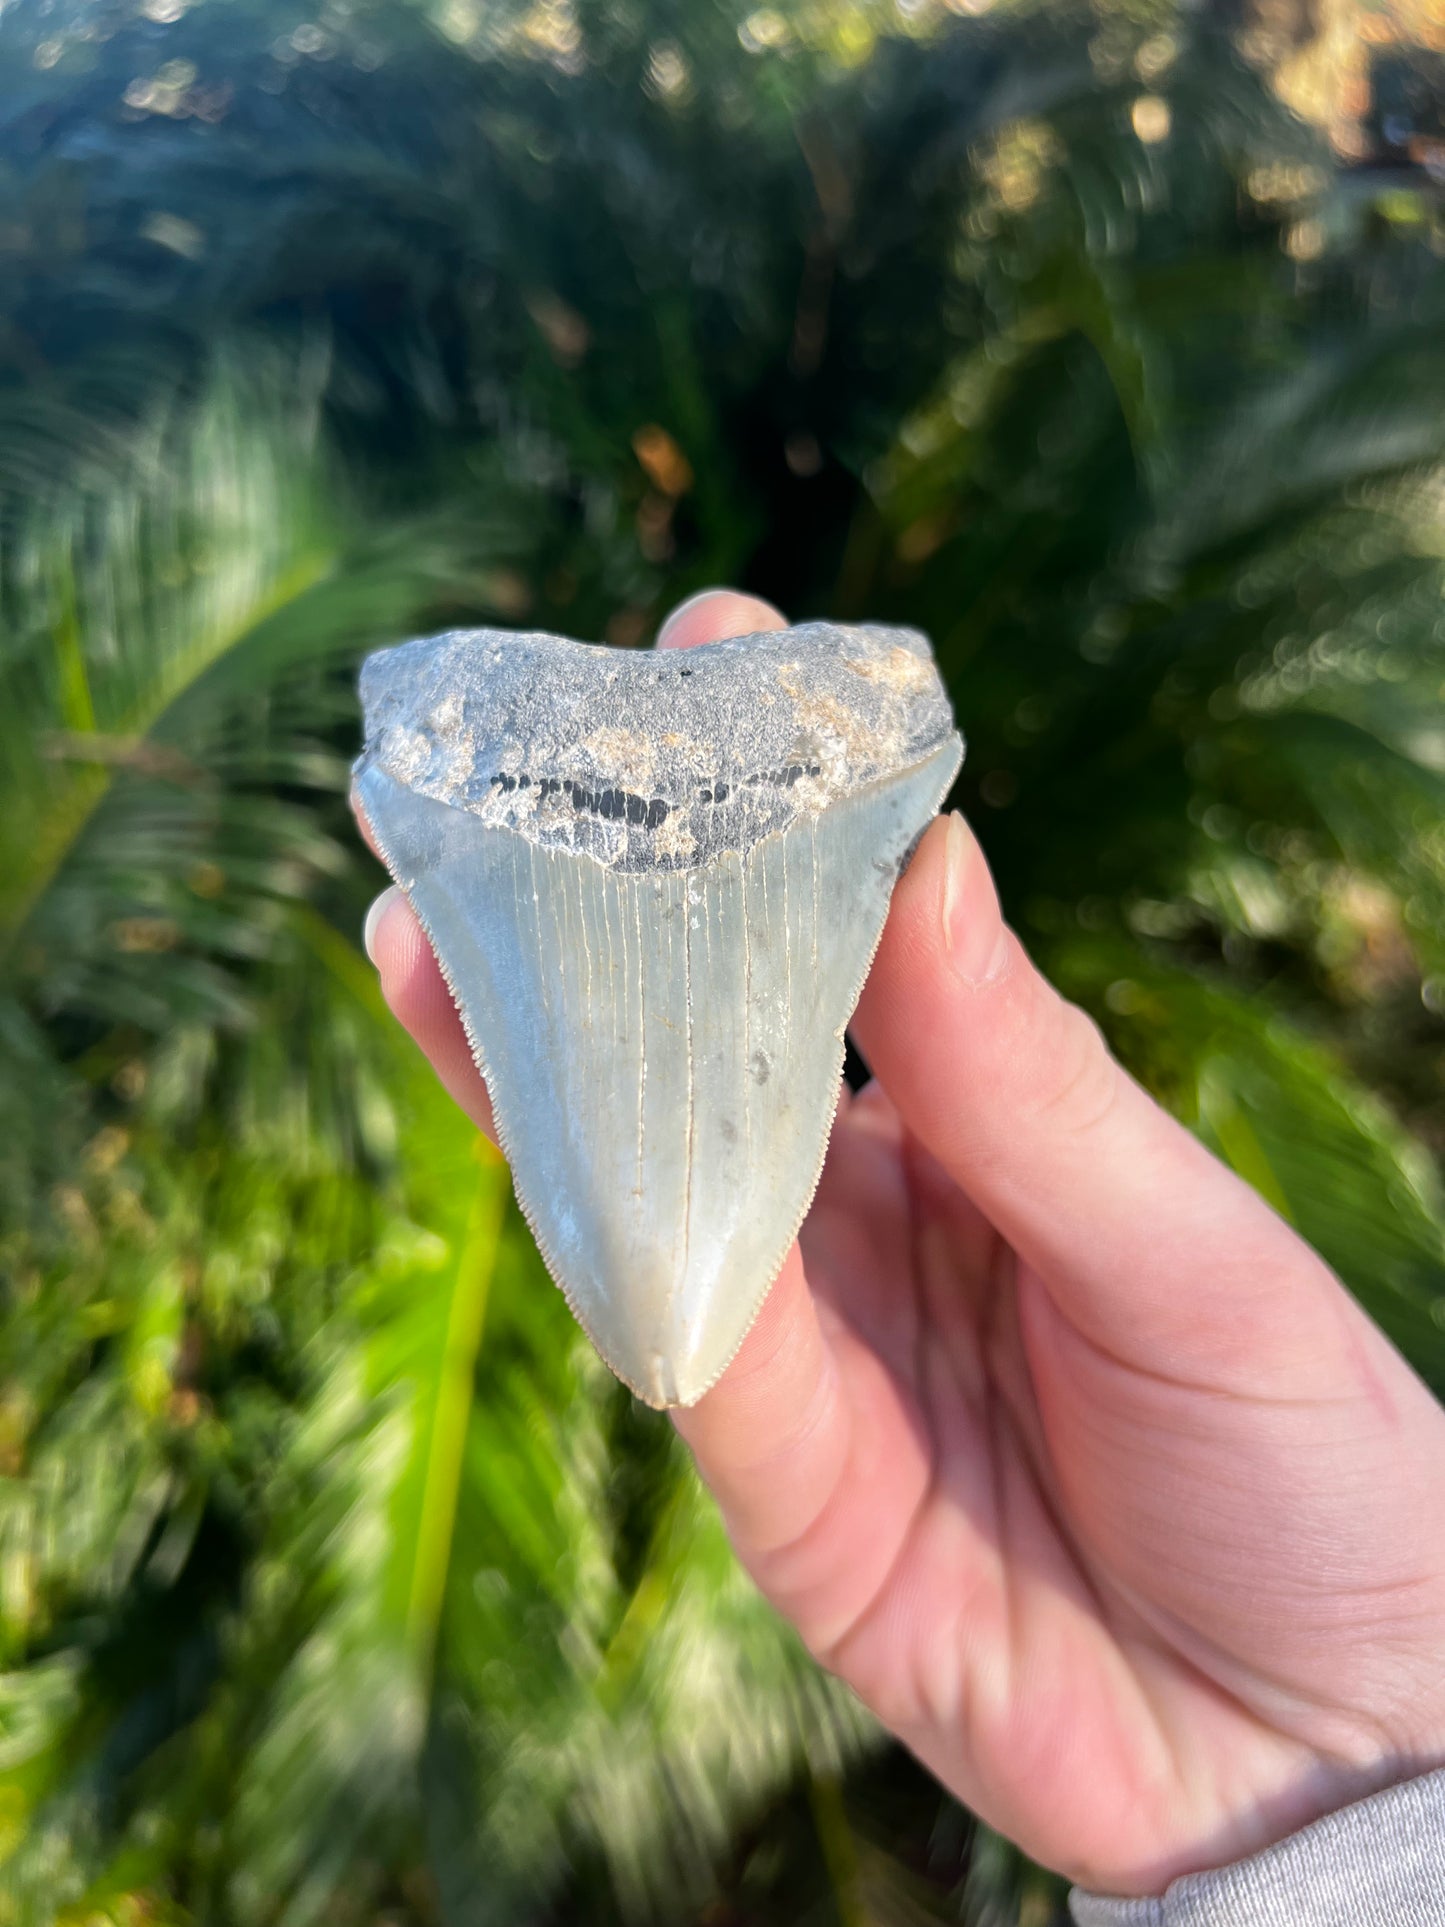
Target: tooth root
<point>662,1051</point>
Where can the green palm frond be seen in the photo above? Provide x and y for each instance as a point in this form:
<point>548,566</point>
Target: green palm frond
<point>155,630</point>
<point>175,664</point>
<point>1291,1120</point>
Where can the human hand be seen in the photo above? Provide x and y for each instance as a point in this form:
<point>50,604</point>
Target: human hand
<point>1051,1438</point>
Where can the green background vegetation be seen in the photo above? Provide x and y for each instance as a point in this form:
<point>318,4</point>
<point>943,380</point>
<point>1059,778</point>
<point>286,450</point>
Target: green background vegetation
<point>338,1582</point>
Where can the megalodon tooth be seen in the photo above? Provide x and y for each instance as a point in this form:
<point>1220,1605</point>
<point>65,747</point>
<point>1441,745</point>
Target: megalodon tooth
<point>654,882</point>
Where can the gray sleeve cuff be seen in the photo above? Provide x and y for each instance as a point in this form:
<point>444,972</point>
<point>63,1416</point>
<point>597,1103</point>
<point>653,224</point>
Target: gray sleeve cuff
<point>1381,1861</point>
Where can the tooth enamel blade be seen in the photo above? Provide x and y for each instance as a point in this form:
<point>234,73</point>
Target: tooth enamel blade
<point>655,905</point>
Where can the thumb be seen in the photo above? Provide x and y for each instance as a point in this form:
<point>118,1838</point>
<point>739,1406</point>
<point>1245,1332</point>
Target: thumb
<point>1149,1245</point>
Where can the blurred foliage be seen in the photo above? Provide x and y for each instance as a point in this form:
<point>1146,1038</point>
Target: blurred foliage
<point>337,1581</point>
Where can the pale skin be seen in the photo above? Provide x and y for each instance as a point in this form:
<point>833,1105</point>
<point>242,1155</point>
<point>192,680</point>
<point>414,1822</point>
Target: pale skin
<point>1051,1439</point>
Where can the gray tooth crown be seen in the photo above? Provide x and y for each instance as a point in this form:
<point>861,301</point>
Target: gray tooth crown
<point>655,883</point>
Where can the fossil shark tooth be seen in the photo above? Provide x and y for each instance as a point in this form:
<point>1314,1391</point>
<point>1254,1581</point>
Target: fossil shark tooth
<point>655,883</point>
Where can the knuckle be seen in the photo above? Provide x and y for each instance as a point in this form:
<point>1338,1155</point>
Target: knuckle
<point>1078,1080</point>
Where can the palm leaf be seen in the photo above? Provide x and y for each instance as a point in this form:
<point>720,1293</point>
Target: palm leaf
<point>1286,1114</point>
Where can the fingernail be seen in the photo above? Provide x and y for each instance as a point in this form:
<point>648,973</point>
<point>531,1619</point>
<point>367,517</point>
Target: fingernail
<point>373,919</point>
<point>974,936</point>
